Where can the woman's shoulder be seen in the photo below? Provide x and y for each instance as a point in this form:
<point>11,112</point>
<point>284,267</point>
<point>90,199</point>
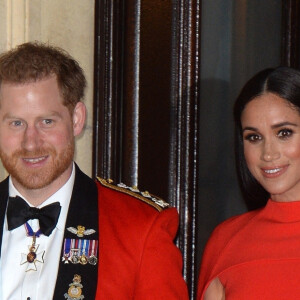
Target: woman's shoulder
<point>237,221</point>
<point>217,242</point>
<point>227,230</point>
<point>231,226</point>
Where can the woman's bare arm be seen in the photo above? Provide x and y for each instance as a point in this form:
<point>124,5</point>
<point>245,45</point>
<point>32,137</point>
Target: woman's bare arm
<point>215,291</point>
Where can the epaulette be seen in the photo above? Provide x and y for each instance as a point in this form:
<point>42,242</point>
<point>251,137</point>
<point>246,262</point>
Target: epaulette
<point>146,197</point>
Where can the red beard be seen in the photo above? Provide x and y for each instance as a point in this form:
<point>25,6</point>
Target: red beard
<point>40,177</point>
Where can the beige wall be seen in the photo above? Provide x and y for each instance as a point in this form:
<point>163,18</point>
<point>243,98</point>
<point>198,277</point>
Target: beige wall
<point>66,23</point>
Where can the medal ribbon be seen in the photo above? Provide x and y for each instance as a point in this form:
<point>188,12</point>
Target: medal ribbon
<point>93,248</point>
<point>85,247</point>
<point>30,232</point>
<point>67,246</point>
<point>76,244</point>
<point>72,243</point>
<point>80,247</point>
<point>90,251</point>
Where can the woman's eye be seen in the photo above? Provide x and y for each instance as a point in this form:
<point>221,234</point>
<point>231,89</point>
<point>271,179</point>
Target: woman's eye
<point>285,133</point>
<point>253,138</point>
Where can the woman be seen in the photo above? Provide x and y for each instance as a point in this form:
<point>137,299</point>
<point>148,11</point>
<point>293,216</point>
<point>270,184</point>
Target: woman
<point>257,255</point>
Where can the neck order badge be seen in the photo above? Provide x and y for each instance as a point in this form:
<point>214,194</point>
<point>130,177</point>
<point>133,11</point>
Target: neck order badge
<point>32,257</point>
<point>19,212</point>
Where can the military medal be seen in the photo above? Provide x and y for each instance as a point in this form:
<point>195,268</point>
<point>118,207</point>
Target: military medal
<point>93,252</point>
<point>75,256</point>
<point>83,245</point>
<point>67,251</point>
<point>32,257</point>
<point>75,289</point>
<point>80,251</point>
<point>74,252</point>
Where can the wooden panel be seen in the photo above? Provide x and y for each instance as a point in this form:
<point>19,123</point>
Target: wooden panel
<point>131,77</point>
<point>155,100</point>
<point>108,95</point>
<point>290,33</point>
<point>183,172</point>
<point>146,93</point>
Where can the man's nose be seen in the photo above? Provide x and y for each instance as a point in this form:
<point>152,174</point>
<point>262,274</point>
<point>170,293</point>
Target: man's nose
<point>31,139</point>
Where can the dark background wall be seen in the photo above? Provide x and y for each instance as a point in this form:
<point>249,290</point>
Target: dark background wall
<point>239,38</point>
<point>166,75</point>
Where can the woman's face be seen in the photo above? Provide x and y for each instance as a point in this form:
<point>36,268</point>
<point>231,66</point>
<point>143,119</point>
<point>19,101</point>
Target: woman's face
<point>271,136</point>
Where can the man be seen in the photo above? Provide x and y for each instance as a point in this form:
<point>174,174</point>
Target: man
<point>64,235</point>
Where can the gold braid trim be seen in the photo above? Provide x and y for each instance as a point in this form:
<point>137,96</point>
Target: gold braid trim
<point>158,203</point>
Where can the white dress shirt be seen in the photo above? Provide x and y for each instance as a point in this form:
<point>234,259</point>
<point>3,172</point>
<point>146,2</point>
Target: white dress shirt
<point>15,282</point>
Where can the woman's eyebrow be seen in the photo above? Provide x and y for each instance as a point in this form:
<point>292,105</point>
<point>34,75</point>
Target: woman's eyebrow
<point>250,128</point>
<point>281,124</point>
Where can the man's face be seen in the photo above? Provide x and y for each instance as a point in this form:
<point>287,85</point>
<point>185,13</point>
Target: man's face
<point>37,134</point>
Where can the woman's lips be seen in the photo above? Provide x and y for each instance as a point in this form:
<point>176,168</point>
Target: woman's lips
<point>274,171</point>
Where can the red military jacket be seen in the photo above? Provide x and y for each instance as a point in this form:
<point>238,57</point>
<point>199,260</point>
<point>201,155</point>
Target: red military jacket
<point>138,259</point>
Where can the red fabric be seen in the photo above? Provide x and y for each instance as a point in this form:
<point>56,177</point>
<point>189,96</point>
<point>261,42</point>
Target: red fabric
<point>256,255</point>
<point>137,257</point>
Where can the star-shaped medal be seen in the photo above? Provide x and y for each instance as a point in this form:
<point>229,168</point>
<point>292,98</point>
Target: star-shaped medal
<point>66,258</point>
<point>32,258</point>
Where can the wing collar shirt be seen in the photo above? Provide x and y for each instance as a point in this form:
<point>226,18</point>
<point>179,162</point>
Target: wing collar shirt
<point>16,282</point>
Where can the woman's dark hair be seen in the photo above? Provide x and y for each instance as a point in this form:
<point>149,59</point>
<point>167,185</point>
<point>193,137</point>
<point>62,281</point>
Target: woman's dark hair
<point>285,83</point>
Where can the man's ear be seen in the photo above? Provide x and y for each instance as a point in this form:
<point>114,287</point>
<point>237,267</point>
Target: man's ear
<point>79,116</point>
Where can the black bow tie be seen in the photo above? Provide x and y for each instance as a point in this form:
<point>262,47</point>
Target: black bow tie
<point>19,212</point>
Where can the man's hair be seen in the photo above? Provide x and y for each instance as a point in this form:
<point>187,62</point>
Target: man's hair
<point>33,61</point>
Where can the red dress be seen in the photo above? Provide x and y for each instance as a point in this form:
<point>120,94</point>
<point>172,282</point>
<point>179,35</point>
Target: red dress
<point>256,255</point>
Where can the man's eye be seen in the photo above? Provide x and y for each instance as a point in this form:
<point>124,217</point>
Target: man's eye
<point>47,121</point>
<point>17,123</point>
<point>285,133</point>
